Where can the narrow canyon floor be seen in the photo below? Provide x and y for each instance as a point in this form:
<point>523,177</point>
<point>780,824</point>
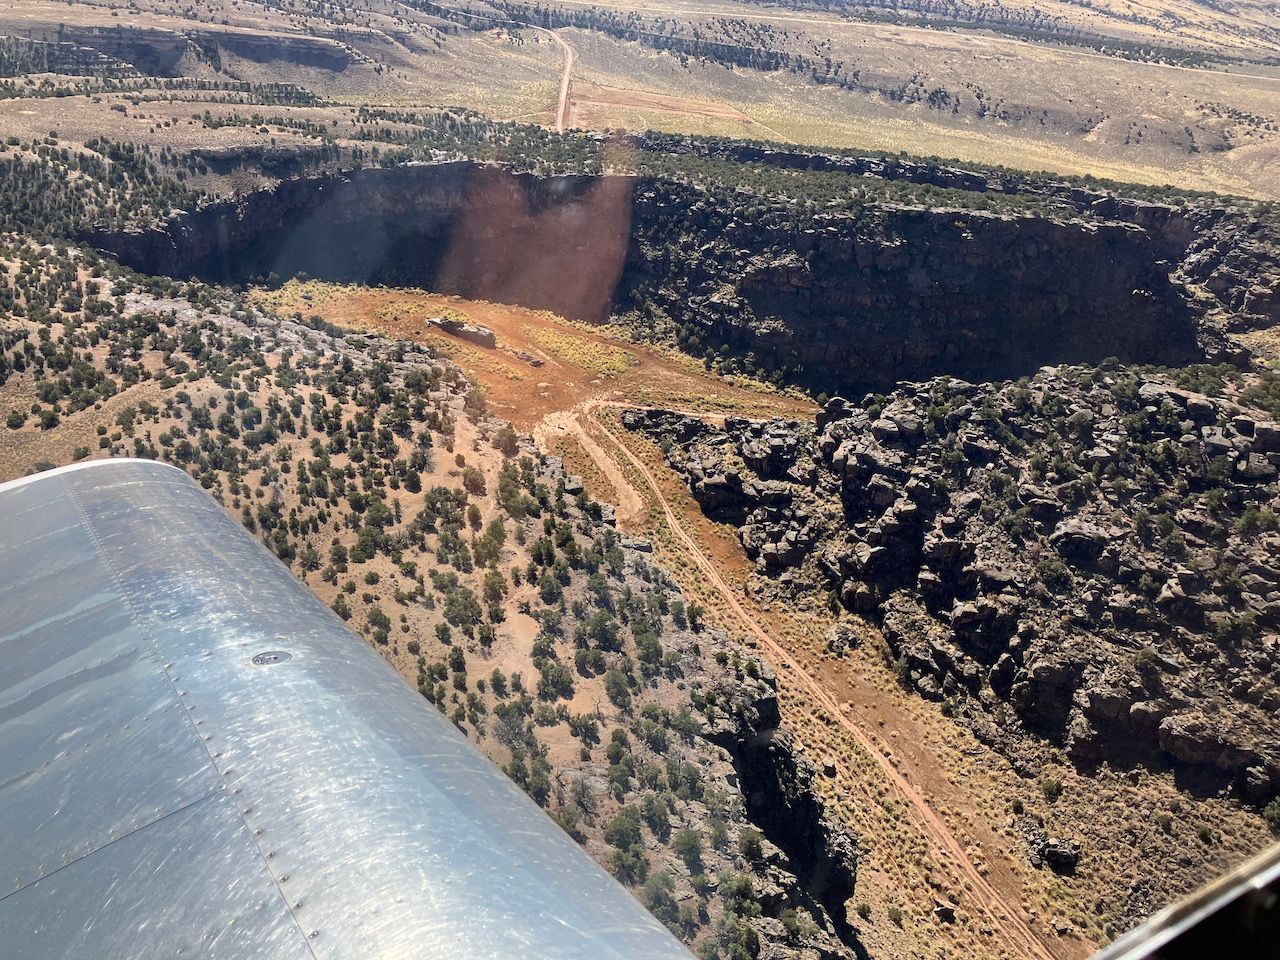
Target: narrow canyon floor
<point>932,807</point>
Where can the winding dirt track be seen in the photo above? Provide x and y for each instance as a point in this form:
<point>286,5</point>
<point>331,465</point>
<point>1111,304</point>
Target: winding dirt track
<point>1005,919</point>
<point>631,505</point>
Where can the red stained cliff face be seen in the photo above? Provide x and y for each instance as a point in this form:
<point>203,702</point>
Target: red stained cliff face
<point>566,257</point>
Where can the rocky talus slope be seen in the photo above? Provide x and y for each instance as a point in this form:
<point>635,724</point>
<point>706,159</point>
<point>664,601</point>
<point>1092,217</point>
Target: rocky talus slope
<point>1231,269</point>
<point>1089,556</point>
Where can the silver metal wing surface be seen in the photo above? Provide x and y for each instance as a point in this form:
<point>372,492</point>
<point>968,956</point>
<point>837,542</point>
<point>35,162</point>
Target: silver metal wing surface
<point>198,759</point>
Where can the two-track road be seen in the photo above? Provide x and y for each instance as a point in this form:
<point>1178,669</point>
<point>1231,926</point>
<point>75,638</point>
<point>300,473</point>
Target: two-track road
<point>1004,917</point>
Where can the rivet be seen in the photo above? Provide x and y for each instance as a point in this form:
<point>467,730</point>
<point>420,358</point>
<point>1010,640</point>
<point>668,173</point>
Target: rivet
<point>268,657</point>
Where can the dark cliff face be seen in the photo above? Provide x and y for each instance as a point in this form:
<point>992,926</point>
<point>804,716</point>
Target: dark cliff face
<point>371,226</point>
<point>777,784</point>
<point>838,303</point>
<point>853,304</point>
<point>1233,264</point>
<point>554,243</point>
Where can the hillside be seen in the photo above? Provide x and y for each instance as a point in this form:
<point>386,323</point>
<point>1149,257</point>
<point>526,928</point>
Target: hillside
<point>466,557</point>
<point>1162,92</point>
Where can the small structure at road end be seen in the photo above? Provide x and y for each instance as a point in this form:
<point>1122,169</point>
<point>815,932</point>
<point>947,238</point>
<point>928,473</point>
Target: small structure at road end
<point>528,358</point>
<point>472,333</point>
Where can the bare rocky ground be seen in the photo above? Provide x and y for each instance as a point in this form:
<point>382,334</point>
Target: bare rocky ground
<point>470,561</point>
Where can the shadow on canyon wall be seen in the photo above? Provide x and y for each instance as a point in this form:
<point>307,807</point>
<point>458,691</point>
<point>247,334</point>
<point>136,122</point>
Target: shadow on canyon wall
<point>833,302</point>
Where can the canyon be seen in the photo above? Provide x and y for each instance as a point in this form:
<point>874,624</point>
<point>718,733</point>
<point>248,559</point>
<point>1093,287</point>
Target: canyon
<point>837,302</point>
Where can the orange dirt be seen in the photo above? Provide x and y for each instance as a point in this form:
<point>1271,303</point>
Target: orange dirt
<point>573,356</point>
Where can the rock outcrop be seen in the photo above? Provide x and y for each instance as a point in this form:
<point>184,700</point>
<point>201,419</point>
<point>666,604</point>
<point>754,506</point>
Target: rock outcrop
<point>777,783</point>
<point>1233,265</point>
<point>1089,556</point>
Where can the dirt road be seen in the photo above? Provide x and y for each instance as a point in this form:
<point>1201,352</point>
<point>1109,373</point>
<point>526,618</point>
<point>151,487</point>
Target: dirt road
<point>562,103</point>
<point>630,506</point>
<point>1004,918</point>
<point>562,106</point>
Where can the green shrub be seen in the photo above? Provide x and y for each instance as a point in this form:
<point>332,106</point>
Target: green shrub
<point>1271,814</point>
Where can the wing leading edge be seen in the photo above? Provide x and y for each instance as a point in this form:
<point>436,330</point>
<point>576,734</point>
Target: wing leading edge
<point>197,758</point>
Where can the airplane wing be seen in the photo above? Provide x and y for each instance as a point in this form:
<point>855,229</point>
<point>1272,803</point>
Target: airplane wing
<point>198,759</point>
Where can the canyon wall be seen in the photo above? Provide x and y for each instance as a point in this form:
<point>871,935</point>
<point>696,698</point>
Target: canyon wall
<point>161,52</point>
<point>846,304</point>
<point>369,226</point>
<point>838,302</point>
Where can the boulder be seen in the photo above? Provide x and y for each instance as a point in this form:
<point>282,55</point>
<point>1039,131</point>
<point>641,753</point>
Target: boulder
<point>1080,541</point>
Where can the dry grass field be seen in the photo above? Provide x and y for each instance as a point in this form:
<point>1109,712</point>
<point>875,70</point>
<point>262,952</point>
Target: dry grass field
<point>1004,101</point>
<point>1163,92</point>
